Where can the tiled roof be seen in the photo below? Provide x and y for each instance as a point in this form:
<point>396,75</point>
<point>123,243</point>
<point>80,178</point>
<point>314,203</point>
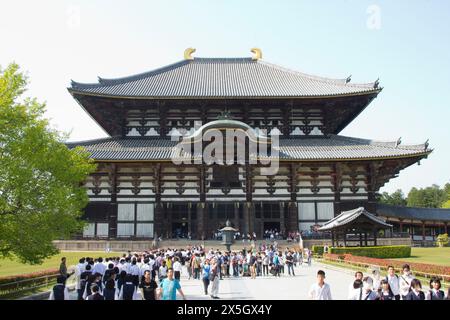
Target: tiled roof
<point>222,78</point>
<point>347,217</point>
<point>425,214</point>
<point>333,147</point>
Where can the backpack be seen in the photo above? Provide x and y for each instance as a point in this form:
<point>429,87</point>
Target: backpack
<point>128,291</point>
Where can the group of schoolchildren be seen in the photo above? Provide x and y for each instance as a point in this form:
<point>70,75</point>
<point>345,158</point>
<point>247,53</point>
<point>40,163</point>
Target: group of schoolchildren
<point>390,287</point>
<point>131,277</point>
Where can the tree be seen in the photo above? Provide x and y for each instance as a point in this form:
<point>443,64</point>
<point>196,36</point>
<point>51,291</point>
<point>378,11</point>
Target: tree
<point>41,193</point>
<point>446,203</point>
<point>430,197</point>
<point>395,199</point>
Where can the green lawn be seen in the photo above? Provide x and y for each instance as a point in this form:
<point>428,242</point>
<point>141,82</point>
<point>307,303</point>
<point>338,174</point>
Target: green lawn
<point>440,256</point>
<point>12,267</point>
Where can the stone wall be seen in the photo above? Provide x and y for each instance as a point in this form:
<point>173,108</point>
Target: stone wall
<point>125,245</point>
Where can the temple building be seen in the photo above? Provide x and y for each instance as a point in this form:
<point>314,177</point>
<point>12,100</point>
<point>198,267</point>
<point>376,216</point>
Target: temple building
<point>139,191</point>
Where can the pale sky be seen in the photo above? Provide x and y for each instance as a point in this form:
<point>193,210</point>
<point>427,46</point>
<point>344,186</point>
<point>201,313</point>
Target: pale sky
<point>404,43</point>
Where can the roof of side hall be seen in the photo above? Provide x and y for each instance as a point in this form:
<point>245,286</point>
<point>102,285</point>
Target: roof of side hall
<point>223,78</point>
<point>301,149</point>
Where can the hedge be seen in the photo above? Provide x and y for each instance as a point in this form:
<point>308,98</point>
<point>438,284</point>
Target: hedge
<point>317,250</point>
<point>382,252</point>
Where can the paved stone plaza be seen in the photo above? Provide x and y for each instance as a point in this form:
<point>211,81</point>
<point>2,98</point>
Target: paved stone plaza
<point>270,288</point>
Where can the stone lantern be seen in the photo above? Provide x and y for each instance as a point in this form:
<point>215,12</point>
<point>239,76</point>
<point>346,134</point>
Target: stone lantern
<point>228,235</point>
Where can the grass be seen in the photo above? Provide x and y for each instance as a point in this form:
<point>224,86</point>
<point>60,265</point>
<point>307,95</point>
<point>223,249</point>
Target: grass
<point>439,256</point>
<point>13,267</point>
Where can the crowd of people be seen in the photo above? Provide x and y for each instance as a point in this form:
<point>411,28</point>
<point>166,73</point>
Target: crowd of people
<point>391,287</point>
<point>156,274</point>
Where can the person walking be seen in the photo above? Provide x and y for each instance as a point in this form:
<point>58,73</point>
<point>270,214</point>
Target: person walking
<point>59,291</point>
<point>385,292</point>
<point>214,279</point>
<point>394,282</point>
<point>265,264</point>
<point>95,295</point>
<point>148,287</point>
<point>63,268</point>
<point>416,292</point>
<point>169,287</point>
<point>351,288</point>
<point>405,281</point>
<point>177,267</point>
<point>290,263</point>
<point>320,290</point>
<point>205,275</point>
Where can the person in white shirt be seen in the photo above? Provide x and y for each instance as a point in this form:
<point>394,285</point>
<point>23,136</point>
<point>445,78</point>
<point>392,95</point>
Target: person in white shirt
<point>376,280</point>
<point>394,282</point>
<point>357,292</point>
<point>79,269</point>
<point>144,267</point>
<point>99,267</point>
<point>405,281</point>
<point>177,267</point>
<point>351,289</point>
<point>320,290</point>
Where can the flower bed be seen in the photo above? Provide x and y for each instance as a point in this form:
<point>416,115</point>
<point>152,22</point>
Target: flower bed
<point>418,268</point>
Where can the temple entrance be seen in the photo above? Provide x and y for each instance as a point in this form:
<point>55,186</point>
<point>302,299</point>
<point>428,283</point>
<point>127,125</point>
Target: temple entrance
<point>180,230</point>
<point>272,226</point>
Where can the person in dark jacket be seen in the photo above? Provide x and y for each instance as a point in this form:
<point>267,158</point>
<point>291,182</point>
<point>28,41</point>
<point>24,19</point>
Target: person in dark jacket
<point>435,292</point>
<point>83,280</point>
<point>416,292</point>
<point>95,293</point>
<point>109,293</point>
<point>59,291</point>
<point>385,292</point>
<point>128,289</point>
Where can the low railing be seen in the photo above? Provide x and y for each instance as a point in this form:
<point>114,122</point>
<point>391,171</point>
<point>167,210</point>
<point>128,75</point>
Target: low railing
<point>21,288</point>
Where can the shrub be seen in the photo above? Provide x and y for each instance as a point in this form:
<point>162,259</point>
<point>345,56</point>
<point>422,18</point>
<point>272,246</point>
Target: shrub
<point>442,240</point>
<point>317,250</point>
<point>375,252</point>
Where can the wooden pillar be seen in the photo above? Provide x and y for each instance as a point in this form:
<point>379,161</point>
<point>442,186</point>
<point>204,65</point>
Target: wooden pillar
<point>249,212</point>
<point>159,229</point>
<point>292,205</point>
<point>249,216</point>
<point>112,218</point>
<point>236,215</point>
<point>360,240</point>
<point>375,237</point>
<point>365,238</point>
<point>445,227</point>
<point>201,221</point>
<point>337,189</point>
<point>423,232</point>
<point>190,218</point>
<point>282,220</point>
<point>401,225</point>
